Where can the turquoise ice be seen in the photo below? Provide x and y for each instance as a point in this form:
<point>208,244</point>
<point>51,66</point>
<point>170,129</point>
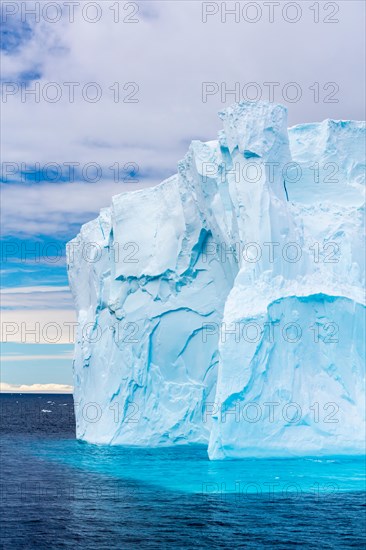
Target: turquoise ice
<point>225,306</point>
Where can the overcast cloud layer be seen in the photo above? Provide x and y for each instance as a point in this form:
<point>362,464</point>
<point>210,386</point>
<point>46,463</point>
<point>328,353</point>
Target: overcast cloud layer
<point>168,53</point>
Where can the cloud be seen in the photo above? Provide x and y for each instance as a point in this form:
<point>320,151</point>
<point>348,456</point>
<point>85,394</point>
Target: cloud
<point>22,357</point>
<point>31,326</point>
<point>29,289</point>
<point>168,63</point>
<point>35,388</point>
<point>37,298</point>
<point>50,209</point>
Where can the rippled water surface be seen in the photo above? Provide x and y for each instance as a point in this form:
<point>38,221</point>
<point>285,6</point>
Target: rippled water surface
<point>60,493</point>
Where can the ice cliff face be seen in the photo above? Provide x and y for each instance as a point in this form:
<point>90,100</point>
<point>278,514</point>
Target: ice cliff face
<point>225,305</point>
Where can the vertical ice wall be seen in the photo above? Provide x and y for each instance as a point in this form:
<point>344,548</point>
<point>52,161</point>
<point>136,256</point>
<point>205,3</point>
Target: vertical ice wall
<point>225,304</point>
<point>291,375</point>
<point>143,368</point>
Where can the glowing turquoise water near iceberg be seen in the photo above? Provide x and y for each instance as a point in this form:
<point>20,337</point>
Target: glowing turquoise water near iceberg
<point>61,493</point>
<point>187,469</point>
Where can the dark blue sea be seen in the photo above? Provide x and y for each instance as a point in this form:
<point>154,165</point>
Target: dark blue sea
<point>57,492</point>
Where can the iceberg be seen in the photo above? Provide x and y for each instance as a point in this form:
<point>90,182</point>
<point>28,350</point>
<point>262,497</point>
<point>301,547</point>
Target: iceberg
<point>225,306</point>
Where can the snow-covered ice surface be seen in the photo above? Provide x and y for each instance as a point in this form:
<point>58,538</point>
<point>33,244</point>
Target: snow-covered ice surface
<point>226,305</point>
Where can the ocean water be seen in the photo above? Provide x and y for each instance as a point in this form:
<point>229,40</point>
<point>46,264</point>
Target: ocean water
<point>57,492</point>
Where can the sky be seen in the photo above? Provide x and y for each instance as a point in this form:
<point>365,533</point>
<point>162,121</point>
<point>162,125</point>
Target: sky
<point>99,98</point>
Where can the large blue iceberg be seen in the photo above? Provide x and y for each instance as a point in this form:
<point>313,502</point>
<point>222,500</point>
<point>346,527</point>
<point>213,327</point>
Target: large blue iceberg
<point>225,306</point>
